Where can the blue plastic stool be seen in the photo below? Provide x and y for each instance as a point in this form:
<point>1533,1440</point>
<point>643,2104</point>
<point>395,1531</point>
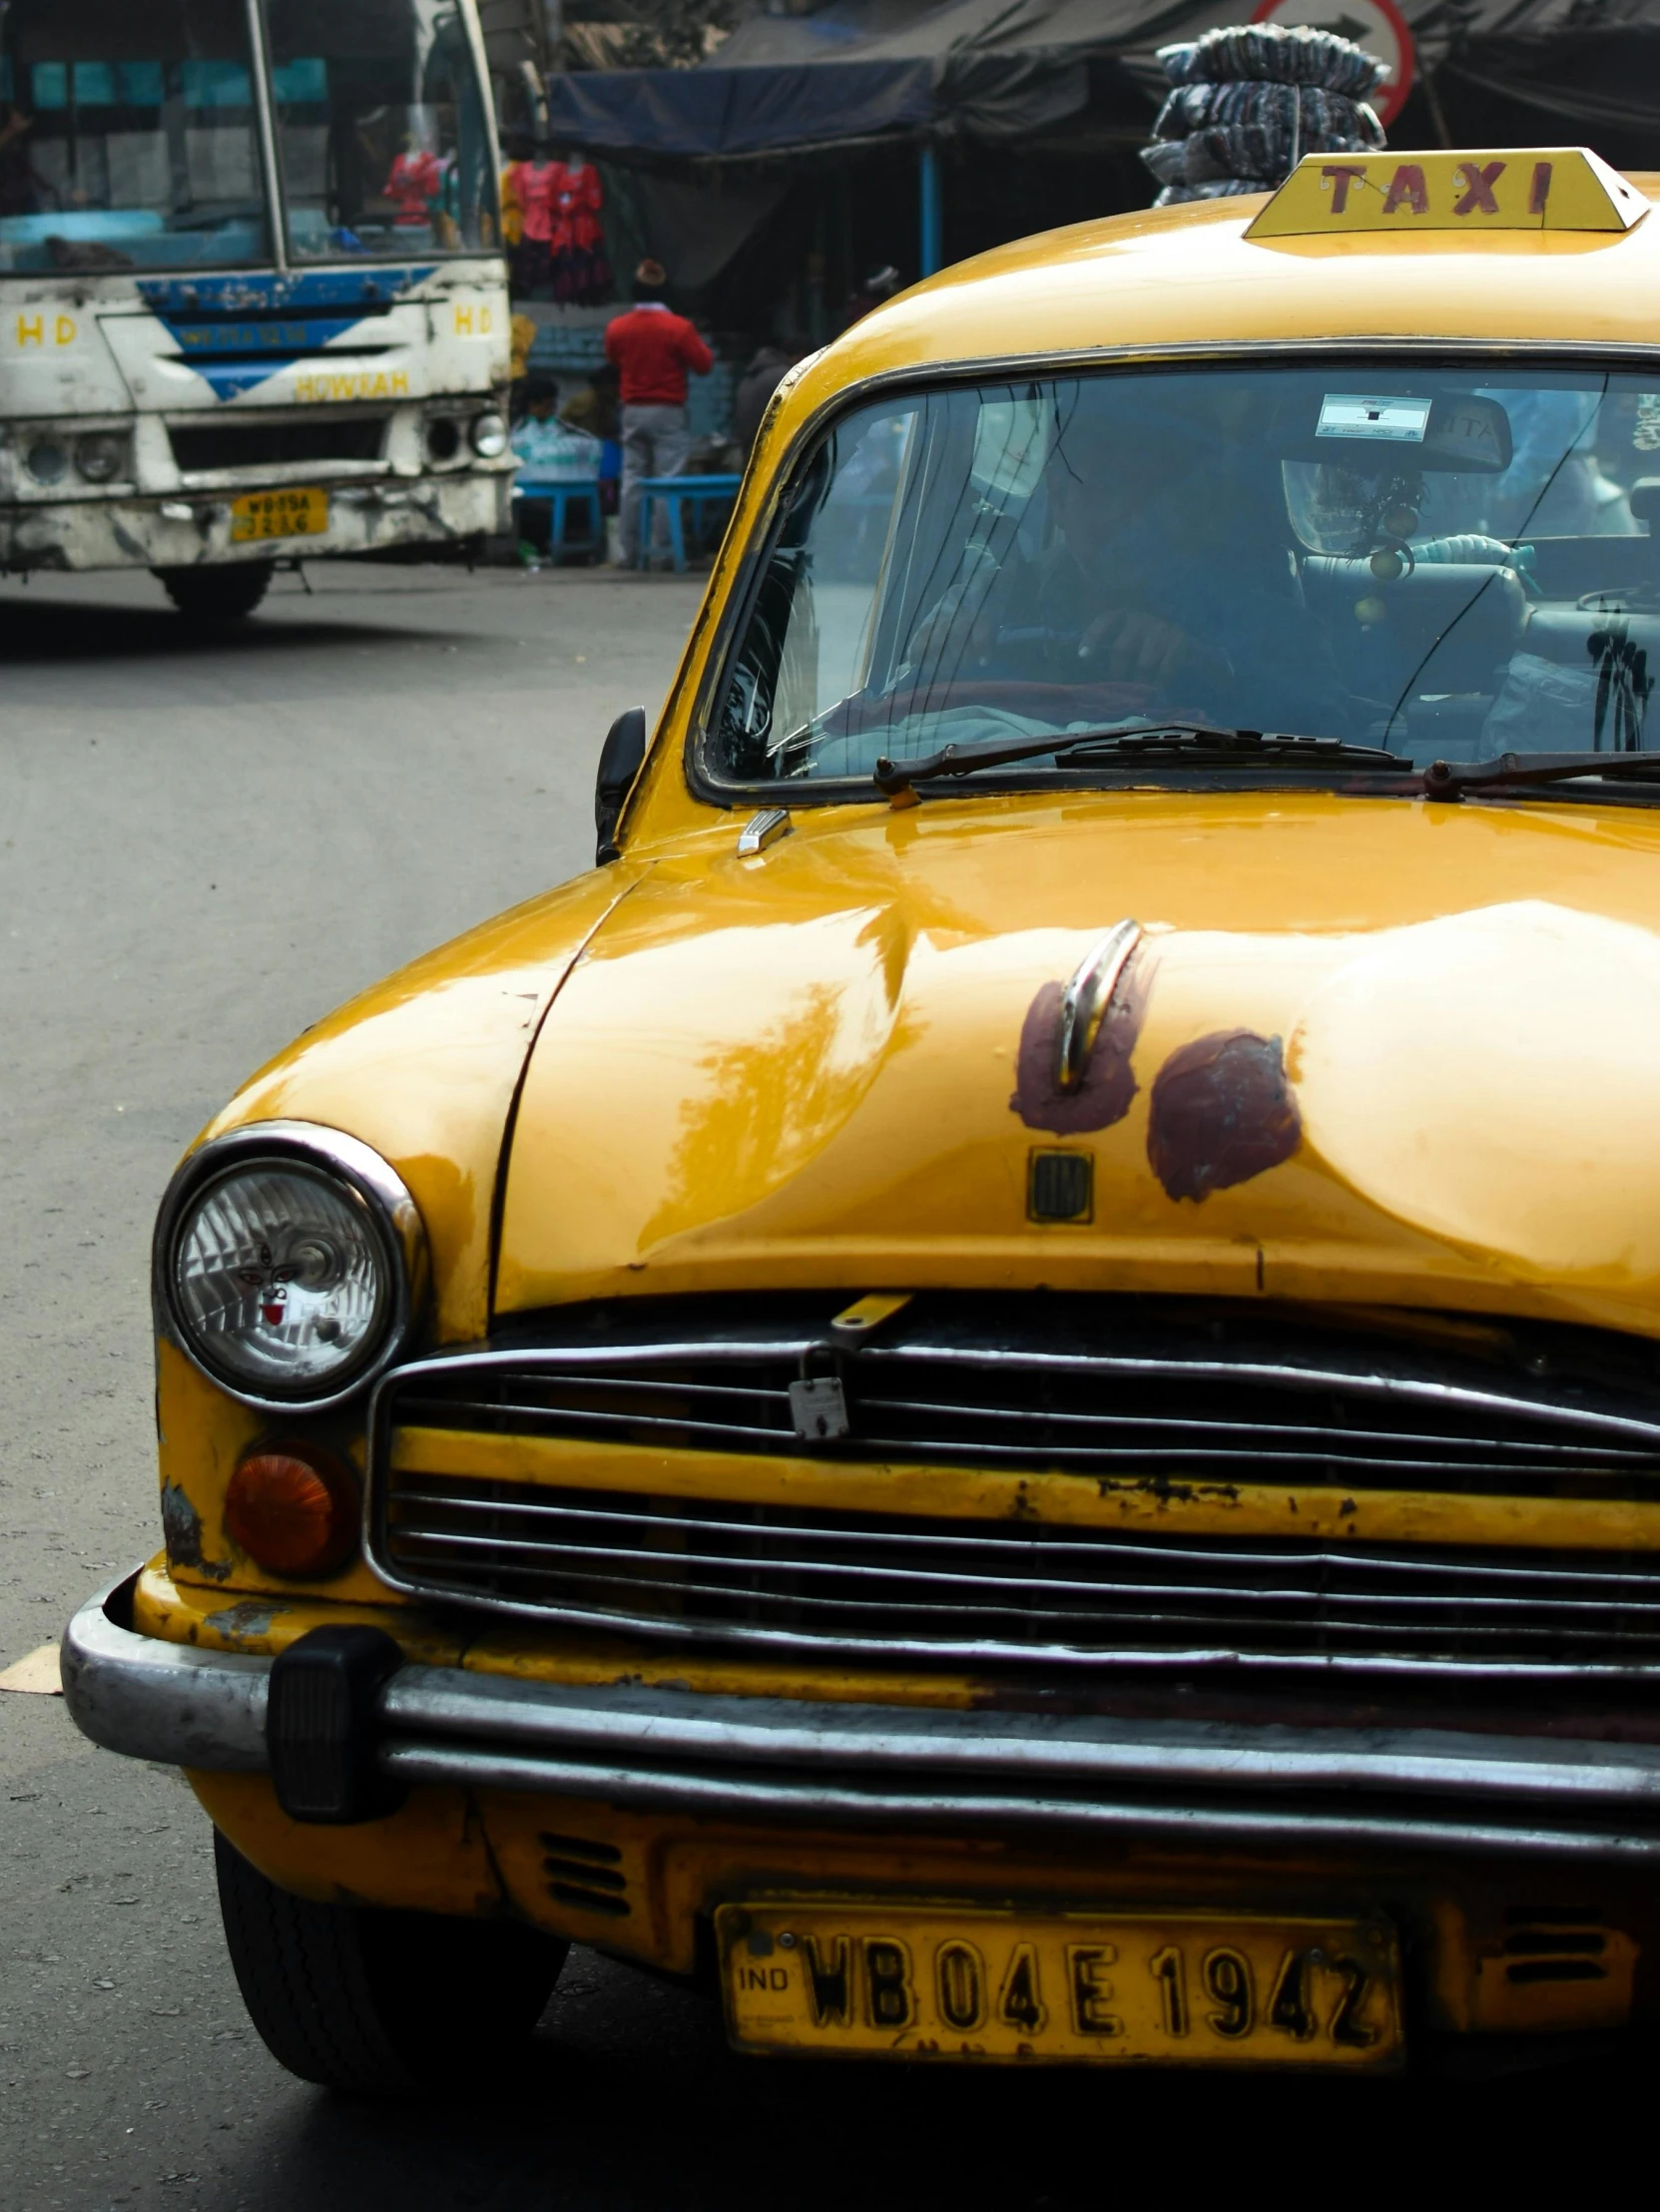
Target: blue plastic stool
<point>676,492</point>
<point>560,497</point>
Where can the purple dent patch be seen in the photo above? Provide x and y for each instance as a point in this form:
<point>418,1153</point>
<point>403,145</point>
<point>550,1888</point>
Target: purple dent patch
<point>1109,1086</point>
<point>1221,1111</point>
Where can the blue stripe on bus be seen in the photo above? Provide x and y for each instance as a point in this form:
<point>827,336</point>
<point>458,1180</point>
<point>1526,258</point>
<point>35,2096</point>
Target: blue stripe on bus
<point>314,290</point>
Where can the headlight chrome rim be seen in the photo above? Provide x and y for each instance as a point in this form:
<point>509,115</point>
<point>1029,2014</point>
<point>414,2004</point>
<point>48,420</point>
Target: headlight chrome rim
<point>355,1172</point>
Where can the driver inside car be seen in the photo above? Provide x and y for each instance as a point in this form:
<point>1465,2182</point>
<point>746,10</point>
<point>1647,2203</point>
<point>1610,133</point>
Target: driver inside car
<point>1053,584</point>
<point>1132,562</point>
<point>1128,520</point>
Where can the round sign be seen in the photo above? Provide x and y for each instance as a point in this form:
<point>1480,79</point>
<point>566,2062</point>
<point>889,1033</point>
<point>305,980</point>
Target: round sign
<point>1377,25</point>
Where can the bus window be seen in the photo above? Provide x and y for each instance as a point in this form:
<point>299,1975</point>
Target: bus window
<point>128,136</point>
<point>385,144</point>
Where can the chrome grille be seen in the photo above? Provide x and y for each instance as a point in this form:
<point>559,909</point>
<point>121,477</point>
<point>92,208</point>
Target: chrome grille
<point>1097,1390</point>
<point>911,1584</point>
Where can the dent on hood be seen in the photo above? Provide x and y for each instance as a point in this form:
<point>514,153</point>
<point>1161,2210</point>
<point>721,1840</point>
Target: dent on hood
<point>1492,1079</point>
<point>760,1103</point>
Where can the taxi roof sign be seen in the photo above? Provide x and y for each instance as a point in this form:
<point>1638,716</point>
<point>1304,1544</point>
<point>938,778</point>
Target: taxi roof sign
<point>1551,187</point>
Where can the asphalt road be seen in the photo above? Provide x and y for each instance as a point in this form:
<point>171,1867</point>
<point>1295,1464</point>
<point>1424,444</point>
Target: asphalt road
<point>202,849</point>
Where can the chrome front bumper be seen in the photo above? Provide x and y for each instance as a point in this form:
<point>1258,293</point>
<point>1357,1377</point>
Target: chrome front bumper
<point>862,1766</point>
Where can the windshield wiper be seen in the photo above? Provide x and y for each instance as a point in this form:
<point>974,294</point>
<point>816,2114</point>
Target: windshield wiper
<point>1451,779</point>
<point>1168,742</point>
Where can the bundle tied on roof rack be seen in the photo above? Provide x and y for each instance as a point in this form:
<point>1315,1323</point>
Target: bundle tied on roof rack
<point>1250,101</point>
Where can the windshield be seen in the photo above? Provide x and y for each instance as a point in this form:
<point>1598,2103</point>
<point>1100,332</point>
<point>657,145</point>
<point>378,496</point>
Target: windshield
<point>384,145</point>
<point>128,136</point>
<point>1448,562</point>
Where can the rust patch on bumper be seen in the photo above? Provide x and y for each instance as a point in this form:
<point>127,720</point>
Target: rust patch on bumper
<point>1109,1085</point>
<point>1221,1111</point>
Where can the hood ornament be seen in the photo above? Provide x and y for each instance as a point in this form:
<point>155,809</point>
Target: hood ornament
<point>1086,998</point>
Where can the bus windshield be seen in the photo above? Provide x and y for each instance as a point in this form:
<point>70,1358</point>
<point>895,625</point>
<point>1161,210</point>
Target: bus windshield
<point>384,145</point>
<point>130,134</point>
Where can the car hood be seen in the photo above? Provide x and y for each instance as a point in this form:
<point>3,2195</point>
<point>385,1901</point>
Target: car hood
<point>1365,1049</point>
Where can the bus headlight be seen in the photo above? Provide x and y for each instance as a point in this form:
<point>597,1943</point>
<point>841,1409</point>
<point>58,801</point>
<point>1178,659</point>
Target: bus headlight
<point>290,1264</point>
<point>48,462</point>
<point>489,438</point>
<point>101,459</point>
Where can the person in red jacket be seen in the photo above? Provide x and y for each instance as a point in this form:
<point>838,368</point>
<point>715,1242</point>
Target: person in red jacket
<point>651,350</point>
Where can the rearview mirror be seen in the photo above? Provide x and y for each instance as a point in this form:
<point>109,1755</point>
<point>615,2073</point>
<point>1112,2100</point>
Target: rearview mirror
<point>621,759</point>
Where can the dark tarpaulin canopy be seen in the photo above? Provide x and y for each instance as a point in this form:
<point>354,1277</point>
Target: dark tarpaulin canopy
<point>1568,68</point>
<point>699,112</point>
<point>862,69</point>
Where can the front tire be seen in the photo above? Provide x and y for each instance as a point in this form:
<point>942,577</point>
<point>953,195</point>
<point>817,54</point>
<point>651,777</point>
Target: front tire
<point>214,598</point>
<point>381,2003</point>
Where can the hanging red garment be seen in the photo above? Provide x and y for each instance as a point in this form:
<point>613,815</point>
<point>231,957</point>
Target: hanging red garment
<point>581,273</point>
<point>536,187</point>
<point>414,183</point>
<point>581,197</point>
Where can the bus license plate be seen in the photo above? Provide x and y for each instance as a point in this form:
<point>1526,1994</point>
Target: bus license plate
<point>296,512</point>
<point>941,1982</point>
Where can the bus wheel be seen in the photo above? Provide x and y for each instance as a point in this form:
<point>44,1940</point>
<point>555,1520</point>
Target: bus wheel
<point>213,598</point>
<point>381,2003</point>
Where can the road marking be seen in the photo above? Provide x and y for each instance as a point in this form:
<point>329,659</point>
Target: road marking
<point>38,1673</point>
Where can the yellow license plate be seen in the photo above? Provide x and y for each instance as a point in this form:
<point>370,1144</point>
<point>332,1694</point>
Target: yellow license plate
<point>921,1981</point>
<point>298,512</point>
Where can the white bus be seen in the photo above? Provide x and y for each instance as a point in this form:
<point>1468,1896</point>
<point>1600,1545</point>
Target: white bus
<point>253,304</point>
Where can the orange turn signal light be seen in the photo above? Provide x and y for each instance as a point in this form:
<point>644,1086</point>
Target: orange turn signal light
<point>292,1510</point>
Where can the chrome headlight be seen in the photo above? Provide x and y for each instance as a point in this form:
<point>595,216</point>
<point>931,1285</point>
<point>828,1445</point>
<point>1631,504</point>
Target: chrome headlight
<point>489,438</point>
<point>290,1263</point>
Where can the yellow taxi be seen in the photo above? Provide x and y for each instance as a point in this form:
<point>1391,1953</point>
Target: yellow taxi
<point>999,1390</point>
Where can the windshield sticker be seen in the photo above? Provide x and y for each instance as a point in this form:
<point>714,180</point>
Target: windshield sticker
<point>1645,433</point>
<point>1345,414</point>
